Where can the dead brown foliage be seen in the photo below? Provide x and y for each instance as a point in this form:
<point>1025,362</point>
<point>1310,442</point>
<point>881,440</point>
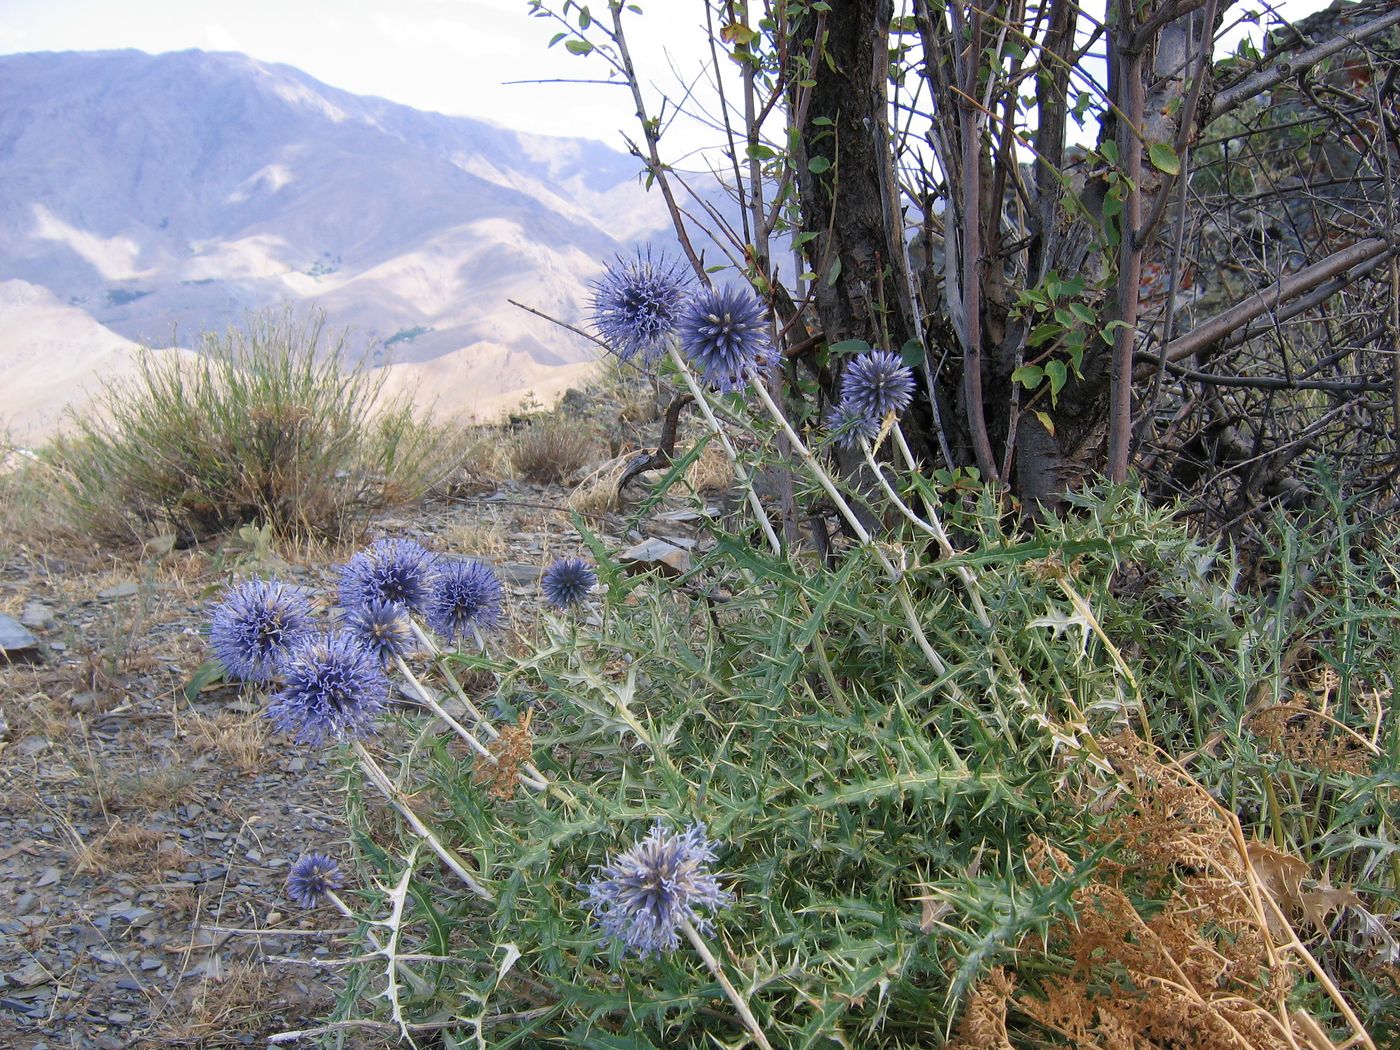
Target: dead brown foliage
<point>1177,941</point>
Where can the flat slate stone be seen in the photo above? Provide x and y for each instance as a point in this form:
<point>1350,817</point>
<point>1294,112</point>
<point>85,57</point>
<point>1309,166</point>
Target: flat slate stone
<point>654,553</point>
<point>36,615</point>
<point>16,642</point>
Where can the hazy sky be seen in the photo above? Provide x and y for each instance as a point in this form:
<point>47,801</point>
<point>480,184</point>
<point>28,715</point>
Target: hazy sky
<point>453,56</point>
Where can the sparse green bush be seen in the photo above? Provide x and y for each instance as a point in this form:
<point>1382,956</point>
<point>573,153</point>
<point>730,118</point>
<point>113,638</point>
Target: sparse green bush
<point>270,423</point>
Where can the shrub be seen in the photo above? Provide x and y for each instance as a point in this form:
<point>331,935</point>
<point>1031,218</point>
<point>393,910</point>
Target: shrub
<point>550,449</point>
<point>269,423</point>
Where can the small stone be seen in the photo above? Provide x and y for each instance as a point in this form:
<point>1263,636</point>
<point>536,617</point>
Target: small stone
<point>120,590</point>
<point>16,643</point>
<point>36,616</point>
<point>82,703</point>
<point>670,558</point>
<point>31,975</point>
<point>514,572</point>
<point>133,916</point>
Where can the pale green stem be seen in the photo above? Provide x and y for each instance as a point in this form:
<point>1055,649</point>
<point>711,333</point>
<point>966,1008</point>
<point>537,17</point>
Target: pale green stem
<point>426,695</point>
<point>896,576</point>
<point>702,402</point>
<point>380,780</point>
<point>935,529</point>
<point>740,1003</point>
<point>540,781</point>
<point>435,651</point>
<point>420,986</point>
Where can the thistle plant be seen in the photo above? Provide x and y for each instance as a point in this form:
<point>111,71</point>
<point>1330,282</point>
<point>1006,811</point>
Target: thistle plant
<point>723,333</point>
<point>312,877</point>
<point>567,582</point>
<point>637,304</point>
<point>255,626</point>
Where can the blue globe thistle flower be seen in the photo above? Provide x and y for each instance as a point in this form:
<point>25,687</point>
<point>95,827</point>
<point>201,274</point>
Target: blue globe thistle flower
<point>332,686</point>
<point>723,332</point>
<point>382,628</point>
<point>636,305</point>
<point>465,594</point>
<point>390,570</point>
<point>312,877</point>
<point>567,582</point>
<point>848,426</point>
<point>256,624</point>
<point>642,897</point>
<point>876,384</point>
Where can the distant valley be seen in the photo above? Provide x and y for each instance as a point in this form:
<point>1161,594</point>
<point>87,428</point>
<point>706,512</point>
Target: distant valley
<point>146,199</point>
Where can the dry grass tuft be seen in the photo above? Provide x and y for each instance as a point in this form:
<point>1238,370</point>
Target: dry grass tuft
<point>240,741</point>
<point>483,460</point>
<point>227,1007</point>
<point>127,847</point>
<point>711,472</point>
<point>149,789</point>
<point>597,492</point>
<point>480,537</point>
<point>552,449</point>
<point>1176,941</point>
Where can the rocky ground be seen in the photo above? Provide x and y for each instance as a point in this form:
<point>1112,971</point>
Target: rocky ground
<point>145,833</point>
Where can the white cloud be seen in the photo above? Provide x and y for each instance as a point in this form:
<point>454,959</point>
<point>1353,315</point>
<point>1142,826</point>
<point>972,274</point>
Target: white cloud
<point>12,38</point>
<point>465,38</point>
<point>220,39</point>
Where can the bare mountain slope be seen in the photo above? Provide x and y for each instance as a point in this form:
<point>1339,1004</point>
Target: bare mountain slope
<point>164,195</point>
<point>56,356</point>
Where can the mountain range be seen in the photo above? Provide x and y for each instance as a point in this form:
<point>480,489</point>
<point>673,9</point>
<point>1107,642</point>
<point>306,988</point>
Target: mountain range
<point>149,198</point>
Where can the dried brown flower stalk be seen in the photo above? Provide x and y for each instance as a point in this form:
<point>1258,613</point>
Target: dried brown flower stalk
<point>1177,941</point>
<point>511,750</point>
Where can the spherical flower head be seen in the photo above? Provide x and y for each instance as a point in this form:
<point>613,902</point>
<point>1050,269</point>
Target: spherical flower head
<point>466,594</point>
<point>382,628</point>
<point>567,582</point>
<point>876,384</point>
<point>848,426</point>
<point>644,895</point>
<point>637,303</point>
<point>256,624</point>
<point>312,877</point>
<point>332,687</point>
<point>389,570</point>
<point>723,332</point>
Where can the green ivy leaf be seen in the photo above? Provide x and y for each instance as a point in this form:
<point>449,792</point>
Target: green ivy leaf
<point>1164,158</point>
<point>1058,374</point>
<point>1029,376</point>
<point>818,164</point>
<point>912,353</point>
<point>849,346</point>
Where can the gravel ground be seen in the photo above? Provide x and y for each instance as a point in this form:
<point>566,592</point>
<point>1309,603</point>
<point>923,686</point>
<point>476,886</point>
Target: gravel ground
<point>145,836</point>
